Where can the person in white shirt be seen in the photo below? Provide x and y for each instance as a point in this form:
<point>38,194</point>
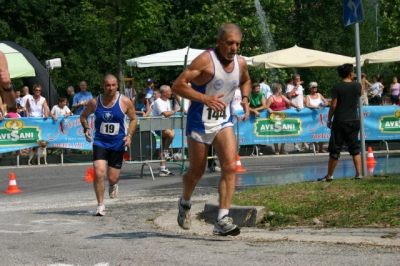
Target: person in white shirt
<point>295,93</point>
<point>265,88</point>
<point>376,91</point>
<point>24,99</point>
<point>61,109</point>
<point>162,108</point>
<point>129,90</point>
<point>36,105</point>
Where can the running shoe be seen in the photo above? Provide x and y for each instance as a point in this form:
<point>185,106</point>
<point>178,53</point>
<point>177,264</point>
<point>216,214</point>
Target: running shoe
<point>184,219</point>
<point>358,177</point>
<point>166,172</point>
<point>101,210</point>
<point>225,227</point>
<point>325,179</point>
<point>216,169</point>
<point>113,191</point>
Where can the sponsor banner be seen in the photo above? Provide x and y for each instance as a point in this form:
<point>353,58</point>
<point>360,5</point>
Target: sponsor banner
<point>16,134</point>
<point>307,125</point>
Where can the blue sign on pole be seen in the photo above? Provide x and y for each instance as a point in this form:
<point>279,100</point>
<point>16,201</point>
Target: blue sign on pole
<point>352,12</point>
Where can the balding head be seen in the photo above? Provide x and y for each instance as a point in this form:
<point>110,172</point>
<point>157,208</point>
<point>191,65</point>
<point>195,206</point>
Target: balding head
<point>228,27</point>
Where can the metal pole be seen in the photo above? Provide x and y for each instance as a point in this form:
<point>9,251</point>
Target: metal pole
<point>360,102</point>
<point>376,25</point>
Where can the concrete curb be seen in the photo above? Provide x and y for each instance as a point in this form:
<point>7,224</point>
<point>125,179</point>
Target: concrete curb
<point>247,216</point>
<point>369,236</point>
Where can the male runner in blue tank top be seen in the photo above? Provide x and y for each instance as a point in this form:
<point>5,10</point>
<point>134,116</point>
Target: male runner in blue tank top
<point>214,76</point>
<point>110,136</point>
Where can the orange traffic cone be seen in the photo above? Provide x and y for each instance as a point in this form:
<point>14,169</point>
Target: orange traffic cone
<point>239,167</point>
<point>126,156</point>
<point>371,168</point>
<point>89,175</point>
<point>370,157</point>
<point>12,186</point>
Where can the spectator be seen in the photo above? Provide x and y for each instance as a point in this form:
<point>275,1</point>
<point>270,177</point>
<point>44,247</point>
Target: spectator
<point>394,91</point>
<point>141,104</point>
<point>71,95</point>
<point>12,112</point>
<point>257,100</point>
<point>129,90</point>
<point>315,100</point>
<point>186,104</point>
<point>81,98</point>
<point>381,79</point>
<point>265,88</point>
<point>375,91</point>
<point>156,95</point>
<point>162,108</point>
<point>61,109</point>
<point>149,90</point>
<point>18,99</point>
<point>277,102</point>
<point>294,93</point>
<point>24,99</point>
<point>111,137</point>
<point>236,102</point>
<point>365,88</point>
<point>18,96</point>
<point>36,106</point>
<point>345,126</point>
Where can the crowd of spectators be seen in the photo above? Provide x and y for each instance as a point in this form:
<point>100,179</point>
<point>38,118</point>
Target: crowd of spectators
<point>160,102</point>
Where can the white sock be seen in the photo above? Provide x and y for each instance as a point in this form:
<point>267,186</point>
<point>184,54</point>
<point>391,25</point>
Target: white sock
<point>186,203</point>
<point>162,168</point>
<point>222,213</point>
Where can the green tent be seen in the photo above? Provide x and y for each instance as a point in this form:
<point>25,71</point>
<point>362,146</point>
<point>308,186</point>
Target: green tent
<point>18,66</point>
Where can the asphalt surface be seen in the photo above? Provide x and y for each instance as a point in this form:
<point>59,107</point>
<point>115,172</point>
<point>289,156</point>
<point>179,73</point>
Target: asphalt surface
<point>51,223</point>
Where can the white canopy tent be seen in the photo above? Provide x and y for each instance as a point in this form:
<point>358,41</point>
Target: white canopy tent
<point>169,58</point>
<point>17,64</point>
<point>382,56</point>
<point>300,57</point>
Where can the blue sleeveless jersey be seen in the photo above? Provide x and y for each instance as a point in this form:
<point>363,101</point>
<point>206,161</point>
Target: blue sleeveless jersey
<point>202,119</point>
<point>110,125</point>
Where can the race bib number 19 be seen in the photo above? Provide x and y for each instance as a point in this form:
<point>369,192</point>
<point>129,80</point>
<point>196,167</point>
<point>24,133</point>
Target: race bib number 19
<point>109,128</point>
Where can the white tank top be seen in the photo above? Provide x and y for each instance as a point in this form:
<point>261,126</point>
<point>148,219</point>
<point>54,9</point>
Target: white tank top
<point>200,117</point>
<point>315,102</point>
<point>36,108</point>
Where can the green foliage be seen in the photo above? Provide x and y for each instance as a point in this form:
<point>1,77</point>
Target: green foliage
<point>94,37</point>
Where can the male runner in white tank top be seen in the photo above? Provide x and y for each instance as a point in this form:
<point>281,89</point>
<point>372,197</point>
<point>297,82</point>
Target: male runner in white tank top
<point>214,76</point>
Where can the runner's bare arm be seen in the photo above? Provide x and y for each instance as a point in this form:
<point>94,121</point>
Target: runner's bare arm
<point>5,82</point>
<point>90,108</point>
<point>198,73</point>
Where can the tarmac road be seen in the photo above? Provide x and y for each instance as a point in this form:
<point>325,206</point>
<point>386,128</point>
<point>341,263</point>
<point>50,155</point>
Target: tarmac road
<point>50,223</point>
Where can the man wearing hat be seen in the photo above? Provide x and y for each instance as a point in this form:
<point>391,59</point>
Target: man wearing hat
<point>149,90</point>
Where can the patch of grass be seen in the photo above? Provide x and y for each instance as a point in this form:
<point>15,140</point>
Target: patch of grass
<point>343,202</point>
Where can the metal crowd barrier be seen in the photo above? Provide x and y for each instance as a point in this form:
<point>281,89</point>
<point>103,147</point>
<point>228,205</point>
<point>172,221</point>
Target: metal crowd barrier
<point>146,146</point>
